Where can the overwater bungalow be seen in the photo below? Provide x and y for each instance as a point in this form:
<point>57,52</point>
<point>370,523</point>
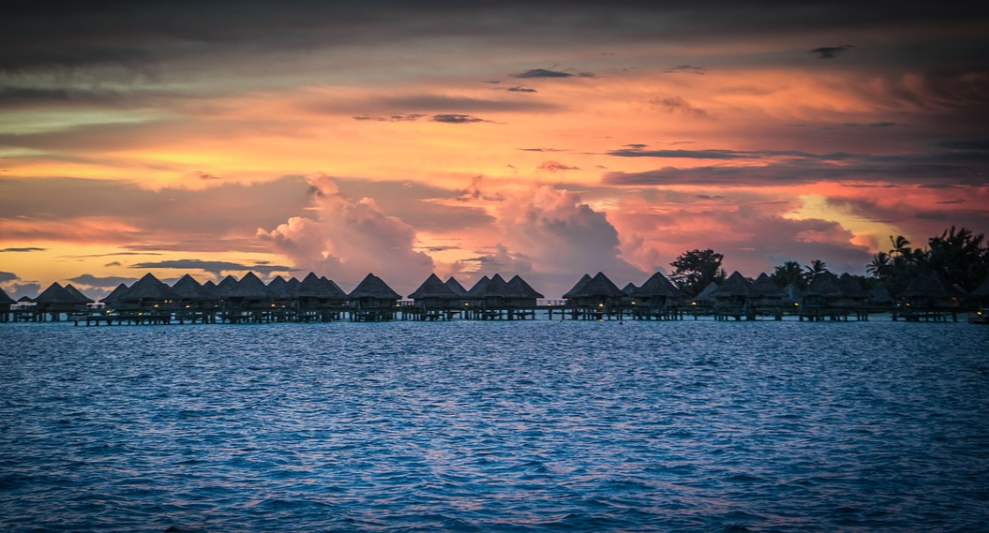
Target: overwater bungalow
<point>980,296</point>
<point>78,295</point>
<point>113,299</point>
<point>189,293</point>
<point>148,294</point>
<point>435,299</point>
<point>704,302</point>
<point>767,296</point>
<point>793,296</point>
<point>733,298</point>
<point>280,290</point>
<point>54,302</point>
<point>317,299</point>
<point>929,297</point>
<point>594,297</point>
<point>6,302</point>
<point>823,299</point>
<point>248,301</point>
<point>193,301</point>
<point>373,300</point>
<point>879,299</point>
<point>657,298</point>
<point>521,295</point>
<point>456,287</point>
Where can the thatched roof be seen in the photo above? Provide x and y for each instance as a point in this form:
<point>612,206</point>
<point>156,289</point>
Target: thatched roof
<point>599,287</point>
<point>497,287</point>
<point>792,293</point>
<point>331,289</point>
<point>187,288</point>
<point>657,286</point>
<point>880,295</point>
<point>825,285</point>
<point>735,285</point>
<point>518,288</point>
<point>433,287</point>
<point>149,288</point>
<point>629,288</point>
<point>115,295</point>
<point>279,289</point>
<point>226,285</point>
<point>477,291</point>
<point>578,286</point>
<point>311,287</point>
<point>706,294</point>
<point>929,286</point>
<point>851,287</point>
<point>250,287</point>
<point>5,299</point>
<point>765,287</point>
<point>79,296</point>
<point>982,291</point>
<point>375,288</point>
<point>293,285</point>
<point>210,290</point>
<point>56,294</point>
<point>455,286</point>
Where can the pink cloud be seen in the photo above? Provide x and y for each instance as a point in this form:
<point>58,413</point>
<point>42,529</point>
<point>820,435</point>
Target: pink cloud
<point>346,239</point>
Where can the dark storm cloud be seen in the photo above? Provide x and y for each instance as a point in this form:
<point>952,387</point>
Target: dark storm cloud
<point>685,69</point>
<point>144,38</point>
<point>456,119</point>
<point>637,151</point>
<point>542,73</point>
<point>215,267</point>
<point>831,52</point>
<point>873,125</point>
<point>442,103</point>
<point>934,169</point>
<point>398,117</point>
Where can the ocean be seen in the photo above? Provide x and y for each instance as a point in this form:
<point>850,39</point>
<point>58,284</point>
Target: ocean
<point>495,426</point>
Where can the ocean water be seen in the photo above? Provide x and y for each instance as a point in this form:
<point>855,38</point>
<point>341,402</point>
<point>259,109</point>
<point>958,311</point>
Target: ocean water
<point>512,426</point>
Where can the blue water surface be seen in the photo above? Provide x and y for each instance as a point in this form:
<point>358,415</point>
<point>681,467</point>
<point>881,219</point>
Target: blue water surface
<point>513,426</point>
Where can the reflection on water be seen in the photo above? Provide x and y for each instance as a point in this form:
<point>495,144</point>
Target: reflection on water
<point>520,426</point>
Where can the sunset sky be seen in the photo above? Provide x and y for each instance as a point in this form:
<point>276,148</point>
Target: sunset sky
<point>546,139</point>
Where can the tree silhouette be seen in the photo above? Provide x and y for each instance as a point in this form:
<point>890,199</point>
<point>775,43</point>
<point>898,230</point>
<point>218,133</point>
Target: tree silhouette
<point>790,272</point>
<point>695,269</point>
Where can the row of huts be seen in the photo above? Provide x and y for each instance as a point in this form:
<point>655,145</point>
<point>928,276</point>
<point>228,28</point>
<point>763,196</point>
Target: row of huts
<point>315,298</point>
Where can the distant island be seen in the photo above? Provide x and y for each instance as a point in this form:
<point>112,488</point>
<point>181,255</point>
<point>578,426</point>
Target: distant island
<point>937,282</point>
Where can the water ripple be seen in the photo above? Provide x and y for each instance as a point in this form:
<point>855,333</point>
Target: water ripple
<point>526,426</point>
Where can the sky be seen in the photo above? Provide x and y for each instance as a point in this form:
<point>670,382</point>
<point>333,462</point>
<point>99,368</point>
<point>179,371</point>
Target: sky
<point>545,139</point>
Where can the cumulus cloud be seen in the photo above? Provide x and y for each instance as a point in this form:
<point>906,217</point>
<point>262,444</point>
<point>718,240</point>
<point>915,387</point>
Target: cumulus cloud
<point>561,238</point>
<point>7,276</point>
<point>347,238</point>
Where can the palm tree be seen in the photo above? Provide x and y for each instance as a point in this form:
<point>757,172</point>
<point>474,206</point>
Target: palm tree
<point>879,265</point>
<point>901,246</point>
<point>816,268</point>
